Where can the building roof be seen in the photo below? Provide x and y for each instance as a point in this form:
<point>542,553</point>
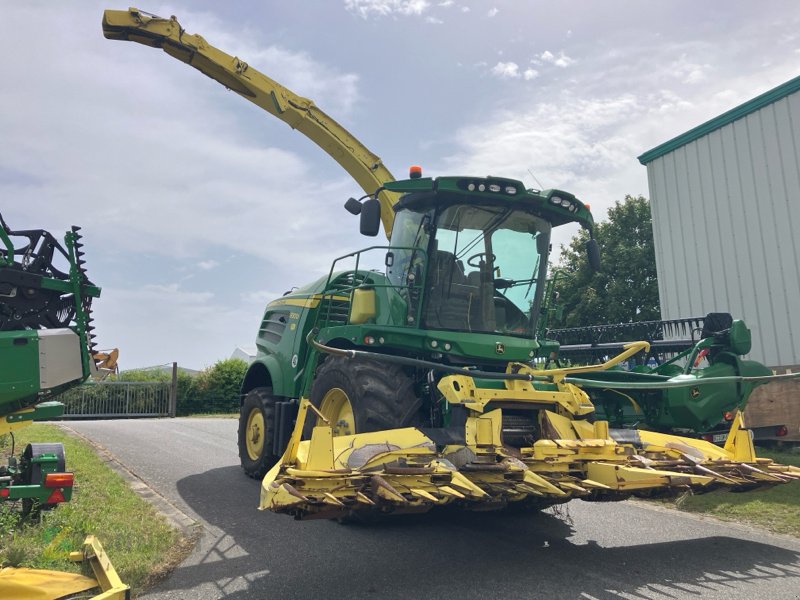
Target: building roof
<point>725,118</point>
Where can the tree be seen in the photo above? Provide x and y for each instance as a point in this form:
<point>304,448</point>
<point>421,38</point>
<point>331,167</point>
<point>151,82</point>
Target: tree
<point>625,289</point>
<point>217,388</point>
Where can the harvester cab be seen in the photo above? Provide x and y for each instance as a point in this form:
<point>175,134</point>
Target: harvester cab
<point>468,255</point>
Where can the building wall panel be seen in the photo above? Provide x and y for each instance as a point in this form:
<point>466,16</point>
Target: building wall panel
<point>726,223</point>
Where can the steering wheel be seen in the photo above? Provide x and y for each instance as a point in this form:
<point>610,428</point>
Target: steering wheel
<point>477,256</point>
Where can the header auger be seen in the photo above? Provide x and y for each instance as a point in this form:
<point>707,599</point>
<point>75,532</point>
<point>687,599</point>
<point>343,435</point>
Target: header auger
<point>401,389</point>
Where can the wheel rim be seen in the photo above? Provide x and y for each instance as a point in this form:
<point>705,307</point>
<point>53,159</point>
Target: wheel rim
<point>254,434</point>
<point>336,407</point>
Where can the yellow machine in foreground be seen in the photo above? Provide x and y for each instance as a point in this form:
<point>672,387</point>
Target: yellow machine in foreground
<point>40,584</point>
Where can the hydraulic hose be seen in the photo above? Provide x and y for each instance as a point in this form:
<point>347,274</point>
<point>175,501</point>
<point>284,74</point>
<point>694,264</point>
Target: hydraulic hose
<point>622,385</point>
<point>416,362</point>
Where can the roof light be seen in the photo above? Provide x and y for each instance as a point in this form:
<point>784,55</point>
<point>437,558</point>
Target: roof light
<point>494,188</point>
<point>471,187</point>
<point>415,172</point>
<point>555,200</point>
<point>481,187</point>
<point>565,203</point>
<point>510,189</point>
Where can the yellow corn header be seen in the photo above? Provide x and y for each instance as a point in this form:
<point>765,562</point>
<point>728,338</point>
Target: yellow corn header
<point>405,470</point>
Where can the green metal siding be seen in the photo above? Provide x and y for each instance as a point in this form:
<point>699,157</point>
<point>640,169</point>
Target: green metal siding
<point>740,111</point>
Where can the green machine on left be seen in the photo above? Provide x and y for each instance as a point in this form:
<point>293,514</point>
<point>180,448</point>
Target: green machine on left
<point>46,347</point>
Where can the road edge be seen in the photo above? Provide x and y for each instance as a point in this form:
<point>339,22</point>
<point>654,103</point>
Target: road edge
<point>187,526</point>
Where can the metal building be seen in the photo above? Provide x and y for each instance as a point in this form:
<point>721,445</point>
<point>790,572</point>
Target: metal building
<point>725,199</point>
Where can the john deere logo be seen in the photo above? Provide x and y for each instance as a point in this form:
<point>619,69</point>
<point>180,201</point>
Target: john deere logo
<point>499,347</point>
<point>695,392</point>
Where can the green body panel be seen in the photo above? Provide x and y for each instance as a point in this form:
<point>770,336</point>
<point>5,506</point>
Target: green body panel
<point>19,370</point>
<point>697,409</point>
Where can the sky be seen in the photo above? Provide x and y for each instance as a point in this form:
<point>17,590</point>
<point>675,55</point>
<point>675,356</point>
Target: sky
<point>197,207</point>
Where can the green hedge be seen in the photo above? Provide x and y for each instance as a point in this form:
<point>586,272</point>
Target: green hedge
<point>213,390</point>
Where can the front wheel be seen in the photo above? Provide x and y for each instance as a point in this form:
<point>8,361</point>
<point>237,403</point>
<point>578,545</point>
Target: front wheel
<point>359,395</point>
<point>256,432</point>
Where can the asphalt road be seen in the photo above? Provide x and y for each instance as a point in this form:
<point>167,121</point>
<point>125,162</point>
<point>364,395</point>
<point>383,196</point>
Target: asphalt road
<point>599,551</point>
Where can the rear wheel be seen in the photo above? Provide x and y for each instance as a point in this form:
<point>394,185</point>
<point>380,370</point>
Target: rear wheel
<point>359,395</point>
<point>256,432</point>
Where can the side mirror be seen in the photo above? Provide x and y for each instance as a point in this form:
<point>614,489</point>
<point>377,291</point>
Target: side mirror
<point>353,206</point>
<point>593,254</point>
<point>370,217</point>
<point>543,244</point>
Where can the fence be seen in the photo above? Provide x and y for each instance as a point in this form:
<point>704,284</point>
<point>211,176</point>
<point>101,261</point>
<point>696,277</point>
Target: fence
<point>114,399</point>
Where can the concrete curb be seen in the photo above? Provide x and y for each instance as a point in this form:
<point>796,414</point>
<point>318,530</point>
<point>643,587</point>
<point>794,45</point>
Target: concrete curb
<point>187,526</point>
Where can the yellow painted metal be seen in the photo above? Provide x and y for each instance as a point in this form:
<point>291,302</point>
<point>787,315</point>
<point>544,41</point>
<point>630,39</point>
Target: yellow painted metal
<point>484,430</point>
<point>236,75</point>
<point>320,452</point>
<point>739,443</point>
<point>254,433</point>
<point>628,350</point>
<point>41,584</point>
<point>38,584</point>
<point>6,427</point>
<point>362,306</point>
<point>404,470</point>
<point>461,389</point>
<point>104,572</point>
<point>628,478</point>
<point>310,302</point>
<point>336,409</point>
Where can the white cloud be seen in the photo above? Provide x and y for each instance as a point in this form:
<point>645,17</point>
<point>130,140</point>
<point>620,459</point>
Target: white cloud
<point>562,60</point>
<point>207,265</point>
<point>433,20</point>
<point>384,8</point>
<point>465,9</point>
<point>492,12</point>
<point>530,74</point>
<point>506,70</point>
<point>447,3</point>
<point>583,145</point>
<point>688,71</point>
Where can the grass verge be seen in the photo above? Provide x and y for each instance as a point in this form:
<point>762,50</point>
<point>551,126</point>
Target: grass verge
<point>776,509</point>
<point>142,546</point>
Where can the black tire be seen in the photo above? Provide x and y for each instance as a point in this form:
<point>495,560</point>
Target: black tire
<point>380,393</point>
<point>257,459</point>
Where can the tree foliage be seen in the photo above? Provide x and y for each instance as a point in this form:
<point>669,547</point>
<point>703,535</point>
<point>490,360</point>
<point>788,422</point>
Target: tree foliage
<point>625,289</point>
<point>213,390</point>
